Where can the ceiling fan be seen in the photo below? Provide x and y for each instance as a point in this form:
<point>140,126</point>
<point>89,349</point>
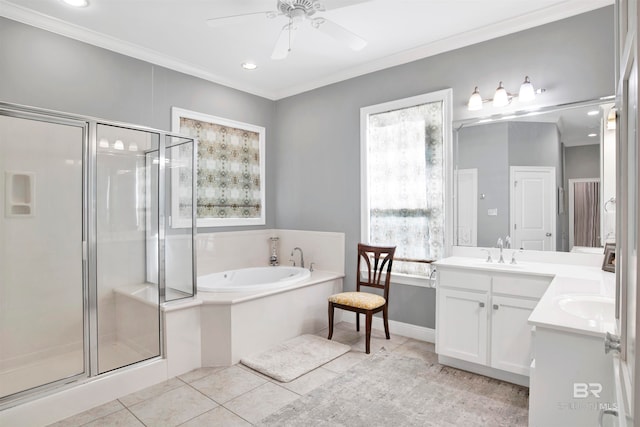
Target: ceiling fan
<point>299,12</point>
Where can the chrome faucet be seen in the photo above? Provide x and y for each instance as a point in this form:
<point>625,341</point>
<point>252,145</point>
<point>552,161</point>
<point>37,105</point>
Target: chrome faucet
<point>301,256</point>
<point>500,245</point>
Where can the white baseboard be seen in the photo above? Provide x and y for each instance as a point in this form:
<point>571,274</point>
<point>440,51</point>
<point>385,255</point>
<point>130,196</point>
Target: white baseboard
<point>408,330</point>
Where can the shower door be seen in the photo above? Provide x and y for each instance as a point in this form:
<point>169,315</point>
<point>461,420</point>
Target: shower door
<point>88,248</point>
<point>127,246</point>
<point>42,266</point>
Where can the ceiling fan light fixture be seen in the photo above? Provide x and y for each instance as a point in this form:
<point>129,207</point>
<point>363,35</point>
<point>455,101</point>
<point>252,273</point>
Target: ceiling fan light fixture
<point>527,92</point>
<point>501,97</point>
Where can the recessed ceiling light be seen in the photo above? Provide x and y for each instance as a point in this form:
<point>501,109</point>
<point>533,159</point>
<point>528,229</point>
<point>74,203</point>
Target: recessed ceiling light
<point>77,3</point>
<point>249,66</point>
<point>592,135</point>
<point>593,113</point>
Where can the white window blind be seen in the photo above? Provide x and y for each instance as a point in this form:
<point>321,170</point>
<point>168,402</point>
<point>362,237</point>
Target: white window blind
<point>404,179</point>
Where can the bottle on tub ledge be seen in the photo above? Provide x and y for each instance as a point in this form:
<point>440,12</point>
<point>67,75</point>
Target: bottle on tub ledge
<point>273,259</point>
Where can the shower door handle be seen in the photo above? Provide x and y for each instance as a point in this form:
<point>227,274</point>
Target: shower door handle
<point>548,234</point>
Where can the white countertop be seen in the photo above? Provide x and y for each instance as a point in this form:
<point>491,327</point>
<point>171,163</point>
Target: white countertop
<point>568,281</point>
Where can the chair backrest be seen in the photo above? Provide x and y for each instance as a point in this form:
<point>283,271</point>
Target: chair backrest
<point>372,262</point>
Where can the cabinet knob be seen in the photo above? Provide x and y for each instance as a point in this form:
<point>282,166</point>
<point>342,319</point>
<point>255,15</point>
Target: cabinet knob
<point>481,304</point>
<point>496,306</point>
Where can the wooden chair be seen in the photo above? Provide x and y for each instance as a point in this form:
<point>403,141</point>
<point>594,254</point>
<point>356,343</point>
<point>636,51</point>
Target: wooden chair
<point>368,274</point>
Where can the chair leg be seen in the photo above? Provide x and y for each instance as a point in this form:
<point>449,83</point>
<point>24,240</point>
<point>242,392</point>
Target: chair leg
<point>385,317</point>
<point>330,321</point>
<point>357,321</point>
<point>368,333</point>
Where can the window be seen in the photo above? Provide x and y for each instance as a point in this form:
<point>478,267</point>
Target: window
<point>405,153</point>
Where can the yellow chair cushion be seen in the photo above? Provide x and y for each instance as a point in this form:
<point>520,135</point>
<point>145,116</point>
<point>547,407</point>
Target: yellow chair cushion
<point>362,300</point>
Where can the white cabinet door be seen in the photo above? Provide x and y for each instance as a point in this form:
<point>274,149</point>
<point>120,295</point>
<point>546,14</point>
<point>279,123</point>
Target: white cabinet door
<point>511,334</point>
<point>462,325</point>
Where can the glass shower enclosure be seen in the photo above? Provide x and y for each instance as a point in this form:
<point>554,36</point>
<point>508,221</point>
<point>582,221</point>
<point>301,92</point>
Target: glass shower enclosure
<point>88,250</point>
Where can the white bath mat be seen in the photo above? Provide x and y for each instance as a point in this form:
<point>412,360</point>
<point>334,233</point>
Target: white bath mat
<point>287,361</point>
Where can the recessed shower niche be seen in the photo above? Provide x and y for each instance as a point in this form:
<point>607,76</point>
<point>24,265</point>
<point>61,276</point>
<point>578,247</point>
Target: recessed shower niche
<point>19,189</point>
<point>85,235</point>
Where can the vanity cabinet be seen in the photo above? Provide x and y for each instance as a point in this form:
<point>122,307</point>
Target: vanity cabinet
<point>463,333</point>
<point>482,320</point>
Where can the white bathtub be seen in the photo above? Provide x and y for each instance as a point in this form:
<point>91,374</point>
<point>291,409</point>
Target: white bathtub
<point>252,279</point>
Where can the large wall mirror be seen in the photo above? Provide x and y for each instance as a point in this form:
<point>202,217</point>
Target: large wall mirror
<point>546,178</point>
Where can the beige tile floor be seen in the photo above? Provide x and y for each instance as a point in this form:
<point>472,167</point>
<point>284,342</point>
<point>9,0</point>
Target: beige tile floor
<point>236,395</point>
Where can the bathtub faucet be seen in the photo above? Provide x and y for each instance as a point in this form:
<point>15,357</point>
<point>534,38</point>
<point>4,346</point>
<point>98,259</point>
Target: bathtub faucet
<point>301,256</point>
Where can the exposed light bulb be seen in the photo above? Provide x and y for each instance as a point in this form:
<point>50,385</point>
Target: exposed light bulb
<point>501,97</point>
<point>475,101</point>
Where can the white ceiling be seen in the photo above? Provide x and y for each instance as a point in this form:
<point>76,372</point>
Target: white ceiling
<point>174,34</point>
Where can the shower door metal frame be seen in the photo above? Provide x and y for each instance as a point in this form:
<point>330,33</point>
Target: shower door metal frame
<point>17,111</point>
<point>89,240</point>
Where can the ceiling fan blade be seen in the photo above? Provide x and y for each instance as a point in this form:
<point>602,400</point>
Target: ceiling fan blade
<point>339,33</point>
<point>338,4</point>
<point>238,19</point>
<point>284,42</point>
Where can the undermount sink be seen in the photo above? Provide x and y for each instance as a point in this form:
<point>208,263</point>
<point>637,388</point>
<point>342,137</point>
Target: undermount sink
<point>590,307</point>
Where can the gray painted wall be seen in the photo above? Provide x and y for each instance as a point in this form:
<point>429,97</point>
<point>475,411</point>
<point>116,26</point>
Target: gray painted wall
<point>319,134</point>
<point>313,153</point>
<point>42,69</point>
<point>486,148</point>
<point>582,161</point>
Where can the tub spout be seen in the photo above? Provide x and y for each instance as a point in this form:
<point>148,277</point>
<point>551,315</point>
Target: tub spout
<point>301,256</point>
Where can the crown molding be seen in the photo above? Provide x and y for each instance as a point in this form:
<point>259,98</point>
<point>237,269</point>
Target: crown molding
<point>85,35</point>
<point>523,22</point>
<point>513,25</point>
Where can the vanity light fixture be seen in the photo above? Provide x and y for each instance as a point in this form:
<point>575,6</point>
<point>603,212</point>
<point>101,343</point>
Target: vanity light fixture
<point>103,143</point>
<point>592,135</point>
<point>527,92</point>
<point>502,97</point>
<point>475,102</point>
<point>249,66</point>
<point>593,113</point>
<point>77,3</point>
<point>118,145</point>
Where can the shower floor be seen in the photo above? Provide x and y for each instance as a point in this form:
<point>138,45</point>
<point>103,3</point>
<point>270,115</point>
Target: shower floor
<point>56,367</point>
